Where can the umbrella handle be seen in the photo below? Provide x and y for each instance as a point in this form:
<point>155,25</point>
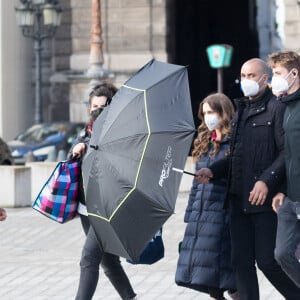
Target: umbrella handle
<point>94,147</point>
<point>183,171</point>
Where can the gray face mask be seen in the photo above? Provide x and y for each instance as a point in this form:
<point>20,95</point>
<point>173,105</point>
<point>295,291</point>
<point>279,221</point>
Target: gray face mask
<point>96,112</point>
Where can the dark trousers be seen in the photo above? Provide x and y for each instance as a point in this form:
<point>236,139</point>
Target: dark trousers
<point>288,237</point>
<point>91,258</point>
<point>216,293</point>
<point>253,241</point>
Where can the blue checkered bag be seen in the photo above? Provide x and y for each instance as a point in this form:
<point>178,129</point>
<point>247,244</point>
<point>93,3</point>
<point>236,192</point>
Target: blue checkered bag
<point>58,198</point>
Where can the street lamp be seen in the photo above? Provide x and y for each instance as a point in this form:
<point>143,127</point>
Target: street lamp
<point>219,57</point>
<point>39,20</point>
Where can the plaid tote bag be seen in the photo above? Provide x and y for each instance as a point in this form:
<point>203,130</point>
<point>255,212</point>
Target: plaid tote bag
<point>58,198</point>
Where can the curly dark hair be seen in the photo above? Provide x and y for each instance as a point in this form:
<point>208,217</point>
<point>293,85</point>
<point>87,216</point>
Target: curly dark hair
<point>104,89</point>
<point>222,105</point>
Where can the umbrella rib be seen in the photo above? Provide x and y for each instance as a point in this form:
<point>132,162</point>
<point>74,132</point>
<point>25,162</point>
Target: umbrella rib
<point>142,157</point>
<point>160,81</point>
<point>100,217</point>
<point>135,89</point>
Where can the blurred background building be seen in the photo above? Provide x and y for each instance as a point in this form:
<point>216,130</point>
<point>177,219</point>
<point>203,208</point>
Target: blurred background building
<point>133,32</point>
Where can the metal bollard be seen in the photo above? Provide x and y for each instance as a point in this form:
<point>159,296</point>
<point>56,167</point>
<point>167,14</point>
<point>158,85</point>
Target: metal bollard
<point>51,156</point>
<point>62,155</point>
<point>29,157</point>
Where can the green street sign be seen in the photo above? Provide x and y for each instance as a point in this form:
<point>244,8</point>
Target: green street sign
<point>219,56</point>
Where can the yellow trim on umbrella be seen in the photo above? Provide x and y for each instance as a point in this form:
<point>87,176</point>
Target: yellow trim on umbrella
<point>141,160</point>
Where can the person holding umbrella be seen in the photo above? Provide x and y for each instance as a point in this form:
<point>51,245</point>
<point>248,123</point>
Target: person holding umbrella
<point>92,253</point>
<point>204,260</point>
<point>129,185</point>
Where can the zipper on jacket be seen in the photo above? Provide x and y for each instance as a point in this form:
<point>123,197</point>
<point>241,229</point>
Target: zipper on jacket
<point>287,119</point>
<point>197,221</point>
<point>289,171</point>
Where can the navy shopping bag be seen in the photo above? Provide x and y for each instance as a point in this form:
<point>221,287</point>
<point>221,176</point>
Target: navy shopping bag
<point>153,252</point>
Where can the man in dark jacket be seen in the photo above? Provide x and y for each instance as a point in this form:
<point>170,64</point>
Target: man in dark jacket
<point>256,170</point>
<point>286,85</point>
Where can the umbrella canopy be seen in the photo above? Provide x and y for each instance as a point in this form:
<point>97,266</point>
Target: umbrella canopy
<point>130,187</point>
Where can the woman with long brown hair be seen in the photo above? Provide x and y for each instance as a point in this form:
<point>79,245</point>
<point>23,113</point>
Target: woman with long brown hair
<point>204,260</point>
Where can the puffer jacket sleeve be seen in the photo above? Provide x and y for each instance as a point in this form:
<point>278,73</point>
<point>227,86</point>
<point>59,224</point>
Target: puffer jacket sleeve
<point>274,175</point>
<point>220,168</point>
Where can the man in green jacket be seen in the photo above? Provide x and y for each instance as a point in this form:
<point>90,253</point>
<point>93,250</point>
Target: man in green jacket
<point>286,86</point>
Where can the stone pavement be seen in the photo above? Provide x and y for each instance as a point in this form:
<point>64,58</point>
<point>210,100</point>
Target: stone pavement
<point>39,260</point>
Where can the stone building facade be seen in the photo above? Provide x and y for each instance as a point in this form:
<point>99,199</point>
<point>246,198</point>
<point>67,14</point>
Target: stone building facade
<point>292,25</point>
<point>133,32</point>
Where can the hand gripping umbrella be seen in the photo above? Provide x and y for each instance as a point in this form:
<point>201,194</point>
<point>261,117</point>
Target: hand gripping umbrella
<point>130,187</point>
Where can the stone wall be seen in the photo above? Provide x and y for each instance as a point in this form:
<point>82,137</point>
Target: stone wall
<point>16,99</point>
<point>292,25</point>
<point>267,27</point>
<point>134,31</point>
<point>58,88</point>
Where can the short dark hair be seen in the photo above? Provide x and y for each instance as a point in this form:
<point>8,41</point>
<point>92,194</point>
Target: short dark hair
<point>104,89</point>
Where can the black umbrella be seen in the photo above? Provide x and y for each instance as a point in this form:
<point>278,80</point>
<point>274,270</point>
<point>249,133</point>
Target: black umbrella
<point>129,184</point>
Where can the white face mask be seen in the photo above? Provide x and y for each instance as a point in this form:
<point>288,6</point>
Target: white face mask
<point>211,121</point>
<point>250,87</point>
<point>280,85</point>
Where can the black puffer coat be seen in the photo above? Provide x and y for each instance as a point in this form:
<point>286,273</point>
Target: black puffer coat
<point>257,150</point>
<point>204,259</point>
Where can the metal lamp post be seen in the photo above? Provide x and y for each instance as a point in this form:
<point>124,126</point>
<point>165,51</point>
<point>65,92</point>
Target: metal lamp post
<point>96,71</point>
<point>39,20</point>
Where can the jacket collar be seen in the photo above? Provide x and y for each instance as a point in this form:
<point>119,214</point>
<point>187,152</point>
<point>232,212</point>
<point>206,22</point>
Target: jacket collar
<point>290,98</point>
<point>258,102</point>
<point>225,139</point>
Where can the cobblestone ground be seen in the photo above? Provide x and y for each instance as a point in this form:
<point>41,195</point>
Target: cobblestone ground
<point>39,260</point>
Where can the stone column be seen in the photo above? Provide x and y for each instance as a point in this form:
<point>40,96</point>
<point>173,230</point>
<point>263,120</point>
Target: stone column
<point>96,51</point>
<point>61,48</point>
<point>96,71</point>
